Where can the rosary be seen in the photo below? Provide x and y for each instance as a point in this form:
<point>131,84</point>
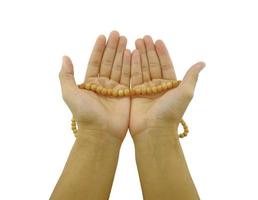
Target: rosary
<point>131,92</point>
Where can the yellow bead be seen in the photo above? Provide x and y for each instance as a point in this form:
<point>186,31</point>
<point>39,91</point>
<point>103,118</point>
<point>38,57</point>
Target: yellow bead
<point>99,89</point>
<point>148,90</point>
<point>144,90</point>
<point>114,93</point>
<point>87,86</point>
<point>109,92</point>
<point>154,89</point>
<point>159,88</point>
<point>176,84</point>
<point>132,91</point>
<point>169,85</point>
<point>93,87</point>
<point>121,92</point>
<point>104,91</point>
<point>126,92</point>
<point>164,86</point>
<point>138,91</point>
<point>81,86</point>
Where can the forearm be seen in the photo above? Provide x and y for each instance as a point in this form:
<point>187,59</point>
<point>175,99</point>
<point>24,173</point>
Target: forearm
<point>90,168</point>
<point>162,167</point>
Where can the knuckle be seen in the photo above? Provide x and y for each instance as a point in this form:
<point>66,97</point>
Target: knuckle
<point>153,64</point>
<point>107,62</point>
<point>136,74</point>
<point>165,67</point>
<point>117,66</point>
<point>94,63</point>
<point>145,68</point>
<point>126,74</point>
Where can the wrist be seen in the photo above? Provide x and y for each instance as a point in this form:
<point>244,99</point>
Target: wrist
<point>154,128</point>
<point>99,138</point>
<point>100,132</point>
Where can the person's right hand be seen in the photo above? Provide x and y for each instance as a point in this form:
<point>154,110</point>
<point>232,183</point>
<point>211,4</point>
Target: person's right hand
<point>109,66</point>
<point>152,66</point>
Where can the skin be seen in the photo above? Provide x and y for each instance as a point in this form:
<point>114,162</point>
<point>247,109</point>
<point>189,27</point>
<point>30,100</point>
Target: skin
<point>104,121</point>
<point>154,121</point>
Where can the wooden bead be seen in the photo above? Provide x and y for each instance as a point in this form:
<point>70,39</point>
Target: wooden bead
<point>121,92</point>
<point>104,91</point>
<point>126,92</point>
<point>99,89</point>
<point>169,85</point>
<point>93,87</point>
<point>138,91</point>
<point>182,122</point>
<point>114,93</point>
<point>176,83</point>
<point>132,91</point>
<point>144,90</point>
<point>81,86</point>
<point>159,88</point>
<point>164,86</point>
<point>154,89</point>
<point>87,86</point>
<point>109,92</point>
<point>148,90</point>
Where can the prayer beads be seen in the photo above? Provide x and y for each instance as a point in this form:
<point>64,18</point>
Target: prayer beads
<point>136,91</point>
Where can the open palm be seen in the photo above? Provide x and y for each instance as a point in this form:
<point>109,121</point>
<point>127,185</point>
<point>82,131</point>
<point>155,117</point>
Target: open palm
<point>152,66</point>
<point>109,66</point>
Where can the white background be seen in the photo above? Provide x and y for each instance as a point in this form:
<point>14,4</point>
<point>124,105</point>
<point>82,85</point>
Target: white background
<point>35,141</point>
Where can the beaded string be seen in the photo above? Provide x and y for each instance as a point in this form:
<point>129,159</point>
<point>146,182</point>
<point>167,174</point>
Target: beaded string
<point>137,91</point>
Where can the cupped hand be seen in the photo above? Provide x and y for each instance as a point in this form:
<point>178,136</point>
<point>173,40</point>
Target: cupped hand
<point>109,66</point>
<point>151,66</point>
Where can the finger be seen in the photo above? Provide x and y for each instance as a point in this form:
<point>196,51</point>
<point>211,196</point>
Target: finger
<point>117,66</point>
<point>140,46</point>
<point>191,76</point>
<point>66,75</point>
<point>109,54</point>
<point>153,59</point>
<point>96,57</point>
<point>136,75</point>
<point>166,64</point>
<point>125,75</point>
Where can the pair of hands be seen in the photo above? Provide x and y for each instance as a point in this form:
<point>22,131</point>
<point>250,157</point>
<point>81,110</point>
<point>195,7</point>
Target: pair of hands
<point>113,66</point>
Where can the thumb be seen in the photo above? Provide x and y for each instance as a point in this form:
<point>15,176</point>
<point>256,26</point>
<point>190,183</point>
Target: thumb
<point>66,74</point>
<point>191,76</point>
